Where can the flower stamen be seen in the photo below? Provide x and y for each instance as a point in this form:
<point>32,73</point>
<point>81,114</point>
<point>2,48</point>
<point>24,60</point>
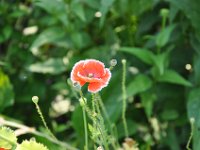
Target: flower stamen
<point>90,75</point>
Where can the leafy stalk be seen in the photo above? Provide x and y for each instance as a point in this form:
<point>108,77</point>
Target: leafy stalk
<point>114,143</point>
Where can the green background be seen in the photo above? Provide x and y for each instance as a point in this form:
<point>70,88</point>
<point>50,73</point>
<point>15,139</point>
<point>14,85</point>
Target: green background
<point>41,40</point>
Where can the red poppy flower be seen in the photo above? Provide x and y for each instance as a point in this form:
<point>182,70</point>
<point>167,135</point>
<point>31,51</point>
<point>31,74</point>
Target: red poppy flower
<point>3,149</point>
<point>93,72</point>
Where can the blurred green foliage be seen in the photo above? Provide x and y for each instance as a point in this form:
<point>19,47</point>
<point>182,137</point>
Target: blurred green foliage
<point>40,40</point>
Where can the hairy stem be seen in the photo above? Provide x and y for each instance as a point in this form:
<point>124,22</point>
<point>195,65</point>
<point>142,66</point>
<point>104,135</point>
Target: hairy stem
<point>100,124</point>
<point>85,127</point>
<point>43,120</point>
<point>114,142</point>
<point>124,97</point>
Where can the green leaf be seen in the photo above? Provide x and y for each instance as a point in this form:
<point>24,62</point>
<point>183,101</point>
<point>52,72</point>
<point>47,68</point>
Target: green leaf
<point>80,39</point>
<point>132,126</point>
<point>29,88</point>
<point>172,139</point>
<point>141,53</point>
<point>109,98</point>
<point>48,36</point>
<point>7,31</point>
<point>94,133</point>
<point>92,3</point>
<point>31,145</point>
<point>163,36</point>
<point>78,125</point>
<point>104,8</point>
<point>195,43</point>
<point>111,109</point>
<point>191,10</point>
<point>9,134</point>
<point>148,98</point>
<point>56,7</point>
<point>169,115</point>
<point>141,6</point>
<point>193,110</point>
<point>51,66</point>
<point>197,70</point>
<point>140,84</point>
<point>160,61</point>
<point>6,91</point>
<point>91,128</point>
<point>172,76</point>
<point>77,8</point>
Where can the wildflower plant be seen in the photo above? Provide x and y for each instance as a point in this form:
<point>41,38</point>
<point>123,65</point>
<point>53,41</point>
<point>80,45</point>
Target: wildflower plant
<point>94,72</point>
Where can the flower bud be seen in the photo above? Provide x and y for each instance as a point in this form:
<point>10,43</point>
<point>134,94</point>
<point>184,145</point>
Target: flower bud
<point>164,12</point>
<point>113,62</point>
<point>77,86</point>
<point>123,61</point>
<point>192,120</point>
<point>100,148</point>
<point>82,101</point>
<point>94,114</point>
<point>35,99</point>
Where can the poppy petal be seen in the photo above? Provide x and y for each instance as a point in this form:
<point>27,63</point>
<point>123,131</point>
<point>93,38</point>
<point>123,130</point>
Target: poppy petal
<point>94,87</point>
<point>78,67</point>
<point>106,78</point>
<point>93,72</point>
<point>95,67</point>
<point>81,82</point>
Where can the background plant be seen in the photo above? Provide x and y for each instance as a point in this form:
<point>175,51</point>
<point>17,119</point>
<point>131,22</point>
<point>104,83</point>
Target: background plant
<point>41,40</point>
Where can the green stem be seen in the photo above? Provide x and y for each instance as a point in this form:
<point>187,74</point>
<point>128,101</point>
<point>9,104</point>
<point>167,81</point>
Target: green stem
<point>158,49</point>
<point>103,138</point>
<point>43,120</point>
<point>85,122</point>
<point>164,20</point>
<point>103,109</point>
<point>63,144</point>
<point>124,97</point>
<point>86,131</point>
<point>100,125</point>
<point>93,111</point>
<point>191,135</point>
<point>114,143</point>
